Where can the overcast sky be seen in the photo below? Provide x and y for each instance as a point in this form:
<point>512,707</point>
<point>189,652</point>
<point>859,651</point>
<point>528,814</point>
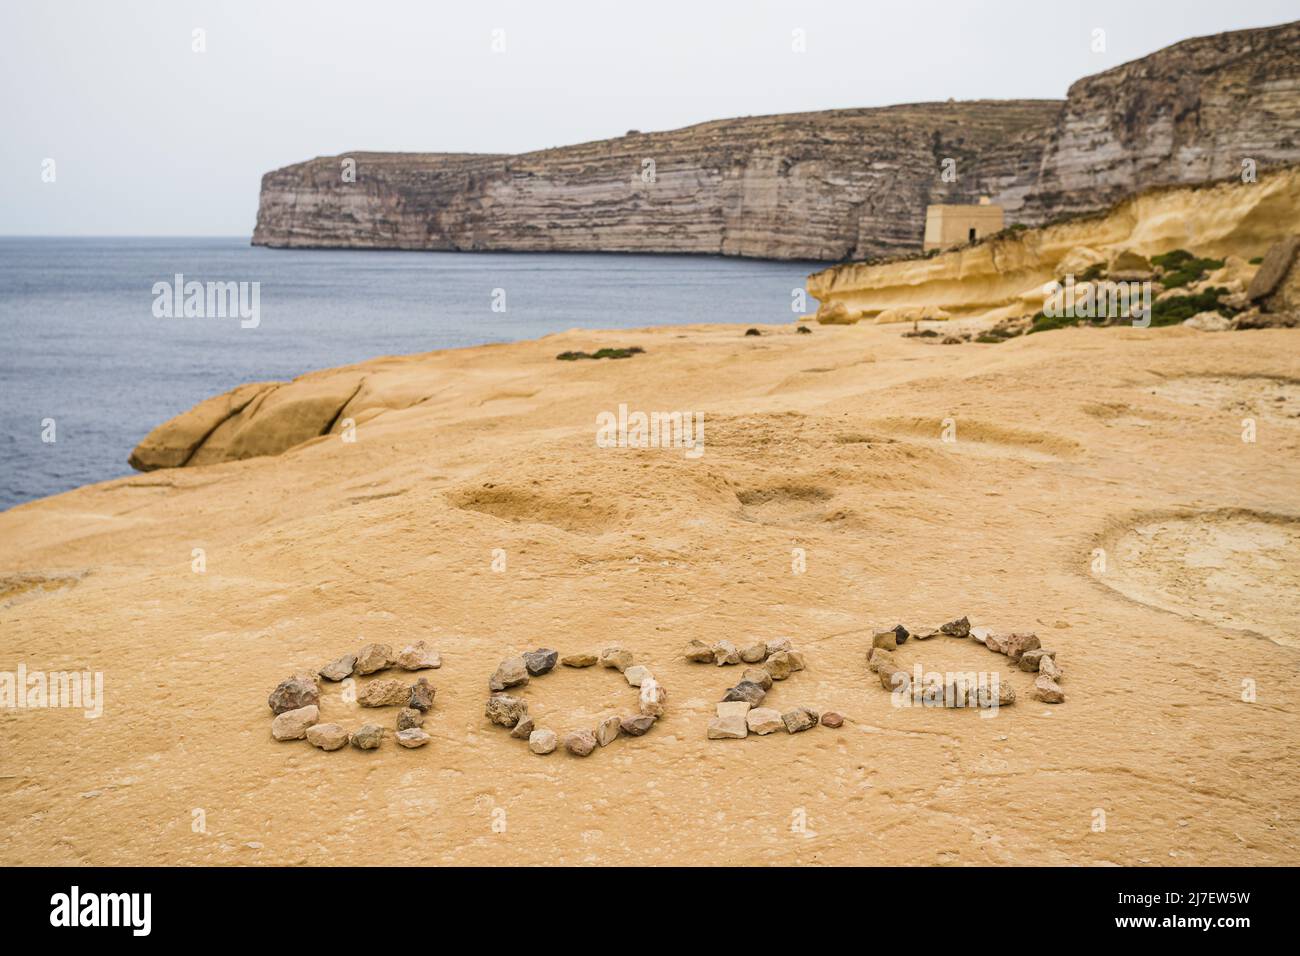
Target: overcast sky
<point>152,138</point>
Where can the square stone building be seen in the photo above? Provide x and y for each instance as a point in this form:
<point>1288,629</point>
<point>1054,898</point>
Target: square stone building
<point>947,226</point>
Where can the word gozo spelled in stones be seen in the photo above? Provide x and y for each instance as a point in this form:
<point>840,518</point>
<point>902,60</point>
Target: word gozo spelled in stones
<point>509,711</point>
<point>295,700</point>
<point>739,714</point>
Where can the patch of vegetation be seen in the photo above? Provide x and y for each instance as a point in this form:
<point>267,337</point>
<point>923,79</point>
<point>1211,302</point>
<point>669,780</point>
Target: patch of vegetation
<point>1258,260</point>
<point>1179,308</point>
<point>804,330</point>
<point>752,332</point>
<point>1094,272</point>
<point>600,354</point>
<point>1181,268</point>
<point>995,335</point>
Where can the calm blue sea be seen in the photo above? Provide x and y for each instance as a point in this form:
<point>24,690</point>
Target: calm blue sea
<point>79,342</point>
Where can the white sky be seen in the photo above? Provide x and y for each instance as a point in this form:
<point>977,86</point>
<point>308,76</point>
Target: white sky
<point>151,138</point>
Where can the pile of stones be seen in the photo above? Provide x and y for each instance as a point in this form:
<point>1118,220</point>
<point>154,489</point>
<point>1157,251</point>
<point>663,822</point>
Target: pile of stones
<point>508,711</point>
<point>295,700</point>
<point>739,714</point>
<point>1022,647</point>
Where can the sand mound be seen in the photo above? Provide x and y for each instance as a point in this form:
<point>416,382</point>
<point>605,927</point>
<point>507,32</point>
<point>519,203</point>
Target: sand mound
<point>1233,569</point>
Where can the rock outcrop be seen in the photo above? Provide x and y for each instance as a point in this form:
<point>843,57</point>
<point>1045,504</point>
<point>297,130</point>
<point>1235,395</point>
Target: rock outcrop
<point>834,185</point>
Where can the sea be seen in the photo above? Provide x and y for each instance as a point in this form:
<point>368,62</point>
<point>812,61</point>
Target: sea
<point>93,355</point>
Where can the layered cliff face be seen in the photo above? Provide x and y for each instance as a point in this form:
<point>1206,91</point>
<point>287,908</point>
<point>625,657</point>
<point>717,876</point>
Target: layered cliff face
<point>845,184</point>
<point>1004,275</point>
<point>834,185</point>
<point>1192,112</point>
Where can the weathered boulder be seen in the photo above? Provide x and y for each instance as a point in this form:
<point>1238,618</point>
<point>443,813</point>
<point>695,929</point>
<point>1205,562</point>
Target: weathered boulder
<point>1277,263</point>
<point>653,697</point>
<point>511,672</point>
<point>579,660</point>
<point>418,656</point>
<point>384,692</point>
<point>764,720</point>
<point>421,697</point>
<point>293,693</point>
<point>412,737</point>
<point>729,726</point>
<point>1048,667</point>
<point>880,658</point>
<point>996,642</point>
<point>374,657</point>
<point>540,661</point>
<point>779,644</point>
<point>1209,322</point>
<point>580,742</point>
<point>340,669</point>
<point>757,675</point>
<point>327,736</point>
<point>367,737</point>
<point>293,724</point>
<point>780,665</point>
<point>753,652</point>
<point>800,719</point>
<point>885,640</point>
<point>542,741</point>
<point>504,710</point>
<point>1030,658</point>
<point>174,442</point>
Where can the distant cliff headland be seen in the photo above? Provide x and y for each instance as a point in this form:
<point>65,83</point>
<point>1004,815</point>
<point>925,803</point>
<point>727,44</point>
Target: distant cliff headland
<point>835,185</point>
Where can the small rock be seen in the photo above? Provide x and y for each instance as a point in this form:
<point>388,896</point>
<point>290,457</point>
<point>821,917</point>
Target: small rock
<point>747,691</point>
<point>780,644</point>
<point>1017,644</point>
<point>796,660</point>
<point>327,736</point>
<point>764,720</point>
<point>578,660</point>
<point>732,708</point>
<point>293,724</point>
<point>293,693</point>
<point>832,719</point>
<point>616,658</point>
<point>957,628</point>
<point>925,633</point>
<point>580,743</point>
<point>880,658</point>
<point>799,719</point>
<point>418,656</point>
<point>979,634</point>
<point>504,710</point>
<point>340,669</point>
<point>1048,690</point>
<point>730,727</point>
<point>759,676</point>
<point>652,698</point>
<point>637,673</point>
<point>1208,322</point>
<point>996,642</point>
<point>884,640</point>
<point>540,661</point>
<point>412,738</point>
<point>901,634</point>
<point>636,725</point>
<point>725,652</point>
<point>779,665</point>
<point>367,737</point>
<point>374,657</point>
<point>524,729</point>
<point>421,695</point>
<point>1048,667</point>
<point>1006,693</point>
<point>895,678</point>
<point>408,718</point>
<point>754,652</point>
<point>384,692</point>
<point>509,673</point>
<point>1029,659</point>
<point>542,741</point>
<point>699,652</point>
<point>607,731</point>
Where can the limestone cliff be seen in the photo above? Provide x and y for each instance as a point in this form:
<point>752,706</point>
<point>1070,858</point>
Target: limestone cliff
<point>843,184</point>
<point>1004,275</point>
